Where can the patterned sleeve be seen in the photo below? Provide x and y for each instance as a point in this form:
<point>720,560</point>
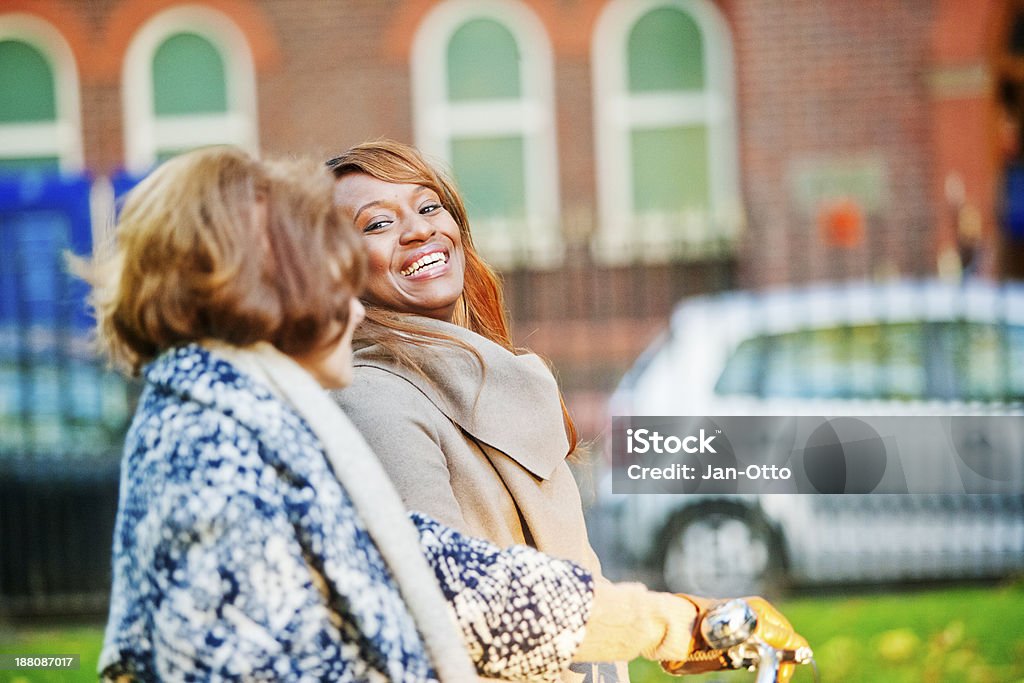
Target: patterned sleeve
<point>237,599</point>
<point>522,613</point>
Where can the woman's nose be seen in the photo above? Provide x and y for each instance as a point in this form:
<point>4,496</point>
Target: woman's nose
<point>417,229</point>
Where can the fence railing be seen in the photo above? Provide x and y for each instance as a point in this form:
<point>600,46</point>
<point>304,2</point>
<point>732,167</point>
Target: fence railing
<point>62,413</point>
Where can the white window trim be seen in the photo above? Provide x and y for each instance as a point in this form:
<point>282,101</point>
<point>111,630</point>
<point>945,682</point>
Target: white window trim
<point>617,114</point>
<point>437,121</point>
<point>63,137</point>
<point>145,134</point>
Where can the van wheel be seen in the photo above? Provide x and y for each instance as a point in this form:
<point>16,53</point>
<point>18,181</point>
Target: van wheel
<point>721,551</point>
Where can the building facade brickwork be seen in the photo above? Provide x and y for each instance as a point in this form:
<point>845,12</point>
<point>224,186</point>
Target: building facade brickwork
<point>863,130</point>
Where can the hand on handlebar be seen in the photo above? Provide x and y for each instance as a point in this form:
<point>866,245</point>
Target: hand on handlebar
<point>771,627</point>
<point>775,629</point>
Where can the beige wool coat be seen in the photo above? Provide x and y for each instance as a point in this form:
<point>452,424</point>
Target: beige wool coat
<point>481,449</point>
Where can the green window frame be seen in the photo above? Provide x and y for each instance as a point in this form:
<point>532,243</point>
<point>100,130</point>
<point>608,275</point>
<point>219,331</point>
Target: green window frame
<point>40,127</point>
<point>670,163</point>
<point>483,101</point>
<point>482,60</point>
<point>188,76</point>
<point>668,169</point>
<point>188,79</point>
<point>666,52</point>
<point>27,84</point>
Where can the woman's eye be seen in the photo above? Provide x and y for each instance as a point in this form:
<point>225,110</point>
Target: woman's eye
<point>376,225</point>
<point>431,208</point>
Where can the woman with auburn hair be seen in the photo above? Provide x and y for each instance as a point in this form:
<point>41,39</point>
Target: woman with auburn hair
<point>257,536</point>
<point>472,432</point>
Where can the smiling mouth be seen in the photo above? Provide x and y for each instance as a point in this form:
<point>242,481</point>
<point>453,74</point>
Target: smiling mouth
<point>434,259</point>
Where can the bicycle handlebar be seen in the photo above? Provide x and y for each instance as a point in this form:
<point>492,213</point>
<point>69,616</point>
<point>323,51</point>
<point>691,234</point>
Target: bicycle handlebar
<point>730,627</point>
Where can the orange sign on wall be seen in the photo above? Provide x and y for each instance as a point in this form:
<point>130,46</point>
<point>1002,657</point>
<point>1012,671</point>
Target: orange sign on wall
<point>841,223</point>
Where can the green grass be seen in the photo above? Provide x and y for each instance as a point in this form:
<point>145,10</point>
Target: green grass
<point>84,641</point>
<point>957,635</point>
<point>969,635</point>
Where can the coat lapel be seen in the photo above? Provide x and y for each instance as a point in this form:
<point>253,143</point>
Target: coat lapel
<point>511,404</point>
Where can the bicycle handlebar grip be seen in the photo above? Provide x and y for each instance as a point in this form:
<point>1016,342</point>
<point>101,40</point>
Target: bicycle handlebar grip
<point>723,626</point>
<point>728,624</point>
<point>728,637</point>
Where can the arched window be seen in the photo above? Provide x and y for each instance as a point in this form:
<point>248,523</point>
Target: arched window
<point>40,123</point>
<point>483,103</point>
<point>664,108</point>
<point>187,81</point>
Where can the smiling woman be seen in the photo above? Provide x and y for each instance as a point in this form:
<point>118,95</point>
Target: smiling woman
<point>471,431</point>
<point>413,245</point>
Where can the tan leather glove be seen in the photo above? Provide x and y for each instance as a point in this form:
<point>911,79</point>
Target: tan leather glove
<point>775,629</point>
<point>772,628</point>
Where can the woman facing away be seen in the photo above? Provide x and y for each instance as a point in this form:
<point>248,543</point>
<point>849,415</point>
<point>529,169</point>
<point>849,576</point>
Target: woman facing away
<point>257,537</point>
<point>471,432</point>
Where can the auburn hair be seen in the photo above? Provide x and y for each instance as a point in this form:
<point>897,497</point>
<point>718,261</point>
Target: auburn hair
<point>215,244</point>
<point>481,308</point>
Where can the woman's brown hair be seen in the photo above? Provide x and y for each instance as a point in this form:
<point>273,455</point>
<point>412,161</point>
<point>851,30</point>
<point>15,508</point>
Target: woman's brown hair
<point>215,244</point>
<point>481,308</point>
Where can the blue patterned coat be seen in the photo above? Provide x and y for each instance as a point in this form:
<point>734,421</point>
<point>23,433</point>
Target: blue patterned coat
<point>238,554</point>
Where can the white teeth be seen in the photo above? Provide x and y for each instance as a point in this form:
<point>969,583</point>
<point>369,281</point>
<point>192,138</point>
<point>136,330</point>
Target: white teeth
<point>424,261</point>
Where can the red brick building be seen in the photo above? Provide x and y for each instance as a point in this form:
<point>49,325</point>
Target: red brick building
<point>616,154</point>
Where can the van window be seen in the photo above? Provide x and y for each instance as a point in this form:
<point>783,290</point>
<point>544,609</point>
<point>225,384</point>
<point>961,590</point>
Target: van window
<point>965,360</point>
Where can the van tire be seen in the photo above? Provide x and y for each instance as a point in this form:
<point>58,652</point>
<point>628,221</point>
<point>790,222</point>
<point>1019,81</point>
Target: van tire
<point>720,550</point>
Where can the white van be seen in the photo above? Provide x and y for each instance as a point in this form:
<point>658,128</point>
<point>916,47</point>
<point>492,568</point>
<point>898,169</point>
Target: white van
<point>901,348</point>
